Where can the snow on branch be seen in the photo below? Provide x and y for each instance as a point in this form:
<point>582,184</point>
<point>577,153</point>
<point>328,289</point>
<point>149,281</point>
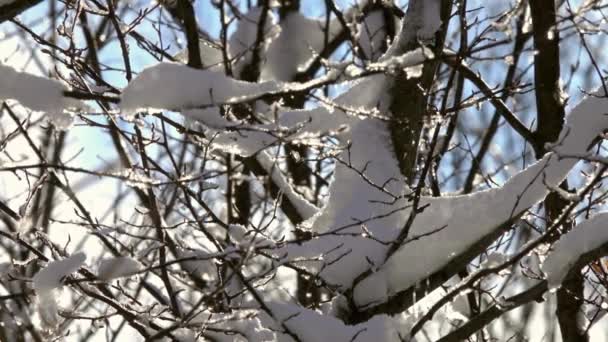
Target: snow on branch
<point>176,86</point>
<point>51,276</point>
<point>470,218</point>
<point>298,42</point>
<point>586,237</point>
<point>422,20</point>
<point>328,328</point>
<point>304,208</point>
<point>116,267</point>
<point>47,280</point>
<point>35,92</point>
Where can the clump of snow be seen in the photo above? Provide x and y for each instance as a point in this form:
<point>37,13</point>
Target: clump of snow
<point>334,117</point>
<point>327,328</point>
<point>46,282</point>
<point>222,327</point>
<point>304,208</point>
<point>422,20</point>
<point>117,267</point>
<point>410,61</point>
<point>430,20</point>
<point>300,39</point>
<point>48,309</point>
<point>201,263</point>
<point>366,201</point>
<point>176,86</point>
<point>242,42</point>
<point>585,237</point>
<point>211,56</point>
<point>35,92</point>
<point>52,274</point>
<point>372,34</point>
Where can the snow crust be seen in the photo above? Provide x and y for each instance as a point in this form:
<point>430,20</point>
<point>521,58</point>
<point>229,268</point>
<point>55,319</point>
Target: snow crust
<point>116,267</point>
<point>585,237</point>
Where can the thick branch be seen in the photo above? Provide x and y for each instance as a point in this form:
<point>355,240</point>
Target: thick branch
<point>15,8</point>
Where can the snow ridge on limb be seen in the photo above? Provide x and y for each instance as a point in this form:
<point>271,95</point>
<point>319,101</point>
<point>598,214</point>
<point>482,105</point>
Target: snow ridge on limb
<point>50,277</point>
<point>468,219</point>
<point>586,237</point>
<point>116,267</point>
<point>327,328</point>
<point>300,39</point>
<point>304,208</point>
<point>176,86</point>
<point>35,92</point>
<point>47,280</point>
<point>243,41</point>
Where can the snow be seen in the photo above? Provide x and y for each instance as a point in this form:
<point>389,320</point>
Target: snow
<point>211,56</point>
<point>488,209</point>
<point>364,214</point>
<point>47,280</point>
<point>372,34</point>
<point>336,116</point>
<point>410,61</point>
<point>35,92</point>
<point>242,41</point>
<point>422,20</point>
<point>116,267</point>
<point>52,274</point>
<point>327,328</point>
<point>354,200</point>
<point>304,208</point>
<point>430,20</point>
<point>176,86</point>
<point>243,322</point>
<point>300,39</point>
<point>585,237</point>
<point>48,309</point>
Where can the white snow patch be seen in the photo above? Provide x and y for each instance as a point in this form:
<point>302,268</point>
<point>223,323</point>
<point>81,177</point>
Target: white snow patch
<point>244,322</point>
<point>300,39</point>
<point>46,282</point>
<point>35,92</point>
<point>372,34</point>
<point>51,275</point>
<point>211,56</point>
<point>585,237</point>
<point>117,267</point>
<point>327,328</point>
<point>242,42</point>
<point>304,208</point>
<point>488,210</point>
<point>176,86</point>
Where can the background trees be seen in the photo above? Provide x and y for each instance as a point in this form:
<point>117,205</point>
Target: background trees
<point>302,170</point>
